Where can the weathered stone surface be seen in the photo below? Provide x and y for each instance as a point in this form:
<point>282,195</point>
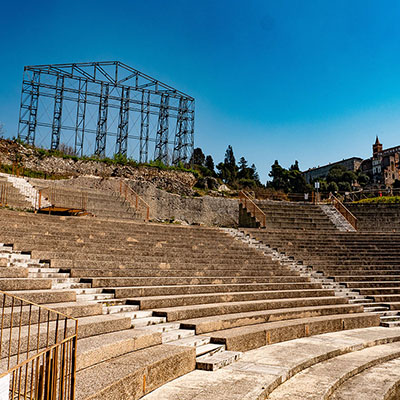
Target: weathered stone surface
<point>131,376</point>
<point>205,210</point>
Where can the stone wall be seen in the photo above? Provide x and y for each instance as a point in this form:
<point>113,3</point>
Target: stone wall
<point>207,210</point>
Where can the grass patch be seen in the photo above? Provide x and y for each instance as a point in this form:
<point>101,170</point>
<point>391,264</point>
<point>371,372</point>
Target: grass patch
<point>380,200</point>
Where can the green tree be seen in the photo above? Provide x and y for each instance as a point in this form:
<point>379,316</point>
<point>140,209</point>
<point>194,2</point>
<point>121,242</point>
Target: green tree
<point>333,187</point>
<point>209,164</point>
<point>295,166</point>
<point>279,177</point>
<point>228,169</point>
<point>198,157</point>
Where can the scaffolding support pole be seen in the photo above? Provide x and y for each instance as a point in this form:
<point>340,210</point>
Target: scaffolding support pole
<point>101,133</point>
<point>122,138</point>
<point>161,149</point>
<point>144,128</point>
<point>29,108</point>
<point>57,114</point>
<point>80,117</point>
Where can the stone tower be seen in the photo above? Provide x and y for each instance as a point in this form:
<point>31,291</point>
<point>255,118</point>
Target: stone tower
<point>377,147</point>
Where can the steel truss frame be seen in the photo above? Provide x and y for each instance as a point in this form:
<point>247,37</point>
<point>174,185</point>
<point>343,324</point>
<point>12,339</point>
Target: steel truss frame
<point>111,87</point>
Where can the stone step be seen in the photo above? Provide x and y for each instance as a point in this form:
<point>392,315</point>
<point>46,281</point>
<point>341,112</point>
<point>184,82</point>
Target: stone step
<point>375,383</point>
<point>208,349</point>
<point>390,318</point>
<point>217,361</point>
<point>193,341</point>
<point>94,350</point>
<point>176,334</point>
<point>369,308</point>
<point>142,322</point>
<point>215,288</point>
<point>207,310</point>
<point>165,327</point>
<point>52,275</point>
<point>71,285</point>
<point>46,296</point>
<point>152,302</point>
<point>254,336</point>
<point>320,380</point>
<point>391,324</point>
<point>361,301</point>
<point>135,374</point>
<point>227,321</point>
<point>44,270</point>
<point>69,280</point>
<point>88,290</point>
<point>94,297</point>
<point>121,308</point>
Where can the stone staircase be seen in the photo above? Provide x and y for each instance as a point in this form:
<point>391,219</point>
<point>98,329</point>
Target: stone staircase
<point>337,218</point>
<point>30,193</point>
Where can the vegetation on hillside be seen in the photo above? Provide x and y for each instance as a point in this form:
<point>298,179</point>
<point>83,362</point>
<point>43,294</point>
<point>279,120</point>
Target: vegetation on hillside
<point>67,153</point>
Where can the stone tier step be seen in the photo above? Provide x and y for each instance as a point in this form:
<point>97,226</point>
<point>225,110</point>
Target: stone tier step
<point>217,360</point>
<point>375,383</point>
<point>321,381</point>
<point>262,370</point>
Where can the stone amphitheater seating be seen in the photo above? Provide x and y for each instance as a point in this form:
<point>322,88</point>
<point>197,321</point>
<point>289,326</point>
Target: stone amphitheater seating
<point>294,216</point>
<point>376,217</point>
<point>367,263</point>
<point>142,291</point>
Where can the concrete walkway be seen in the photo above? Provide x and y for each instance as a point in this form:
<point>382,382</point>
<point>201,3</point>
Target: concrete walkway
<point>262,370</point>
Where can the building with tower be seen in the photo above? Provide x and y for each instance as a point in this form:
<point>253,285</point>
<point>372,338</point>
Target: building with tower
<point>383,167</point>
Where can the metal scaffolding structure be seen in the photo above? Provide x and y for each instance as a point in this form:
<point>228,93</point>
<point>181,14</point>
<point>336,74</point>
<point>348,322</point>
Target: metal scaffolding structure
<point>105,108</point>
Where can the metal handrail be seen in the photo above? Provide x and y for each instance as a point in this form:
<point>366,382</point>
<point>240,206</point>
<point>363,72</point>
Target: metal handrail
<point>134,199</point>
<point>17,170</point>
<point>55,196</point>
<point>4,193</point>
<point>38,346</point>
<point>350,217</point>
<point>252,208</point>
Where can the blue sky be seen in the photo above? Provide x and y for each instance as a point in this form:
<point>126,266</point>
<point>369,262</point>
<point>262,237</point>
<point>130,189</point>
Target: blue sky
<point>310,80</point>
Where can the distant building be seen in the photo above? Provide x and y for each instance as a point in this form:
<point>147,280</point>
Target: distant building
<point>383,167</point>
<point>352,164</point>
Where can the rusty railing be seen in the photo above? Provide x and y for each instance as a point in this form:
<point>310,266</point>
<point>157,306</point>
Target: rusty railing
<point>61,199</point>
<point>350,217</point>
<point>246,201</point>
<point>17,170</point>
<point>37,351</point>
<point>3,193</point>
<point>135,201</point>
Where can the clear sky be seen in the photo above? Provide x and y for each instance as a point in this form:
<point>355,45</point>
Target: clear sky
<point>313,80</point>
